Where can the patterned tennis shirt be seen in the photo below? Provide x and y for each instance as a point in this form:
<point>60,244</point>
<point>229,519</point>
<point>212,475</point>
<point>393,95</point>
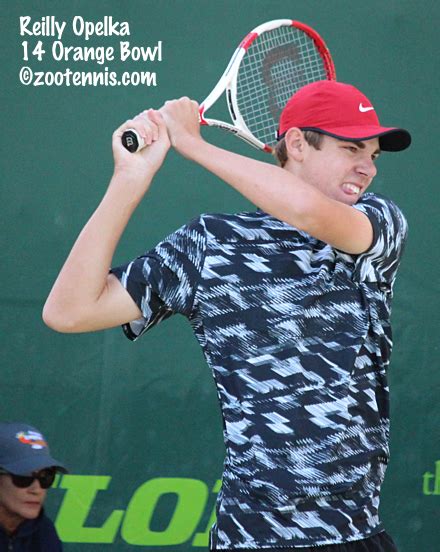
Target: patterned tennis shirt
<point>297,335</point>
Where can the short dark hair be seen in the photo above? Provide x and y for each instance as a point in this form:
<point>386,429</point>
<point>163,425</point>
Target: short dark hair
<point>313,138</point>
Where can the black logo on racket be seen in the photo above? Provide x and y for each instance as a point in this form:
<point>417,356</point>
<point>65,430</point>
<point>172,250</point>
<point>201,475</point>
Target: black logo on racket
<point>280,69</point>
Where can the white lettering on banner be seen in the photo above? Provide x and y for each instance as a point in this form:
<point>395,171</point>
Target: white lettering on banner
<point>108,27</point>
<point>137,53</point>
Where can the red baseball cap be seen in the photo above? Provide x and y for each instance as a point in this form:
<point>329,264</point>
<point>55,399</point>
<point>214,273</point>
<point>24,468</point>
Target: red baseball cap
<point>342,111</point>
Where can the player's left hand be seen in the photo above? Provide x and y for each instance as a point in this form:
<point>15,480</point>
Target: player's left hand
<point>182,120</point>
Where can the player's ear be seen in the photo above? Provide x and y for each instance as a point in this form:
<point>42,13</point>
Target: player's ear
<point>295,144</point>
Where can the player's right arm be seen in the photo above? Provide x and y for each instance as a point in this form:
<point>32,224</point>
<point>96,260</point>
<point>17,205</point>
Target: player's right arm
<point>84,296</point>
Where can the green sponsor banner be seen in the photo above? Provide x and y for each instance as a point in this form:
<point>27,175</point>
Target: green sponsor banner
<point>431,481</point>
<point>134,524</point>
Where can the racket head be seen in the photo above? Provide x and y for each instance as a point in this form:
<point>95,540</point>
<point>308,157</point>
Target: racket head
<point>272,62</point>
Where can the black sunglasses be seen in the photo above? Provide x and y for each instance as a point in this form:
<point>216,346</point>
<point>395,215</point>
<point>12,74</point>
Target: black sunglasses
<point>45,477</point>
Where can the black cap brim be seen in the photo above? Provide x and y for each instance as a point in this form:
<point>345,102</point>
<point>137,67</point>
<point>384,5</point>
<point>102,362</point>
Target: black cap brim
<point>391,139</point>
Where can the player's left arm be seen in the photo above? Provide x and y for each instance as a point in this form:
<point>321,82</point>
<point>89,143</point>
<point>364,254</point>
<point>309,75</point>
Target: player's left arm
<point>273,189</point>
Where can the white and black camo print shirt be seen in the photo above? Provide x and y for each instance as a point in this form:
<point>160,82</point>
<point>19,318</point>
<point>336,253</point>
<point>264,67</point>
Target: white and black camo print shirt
<point>298,338</point>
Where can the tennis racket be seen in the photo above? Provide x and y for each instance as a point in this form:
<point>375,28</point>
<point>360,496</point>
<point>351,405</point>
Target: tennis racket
<point>271,63</point>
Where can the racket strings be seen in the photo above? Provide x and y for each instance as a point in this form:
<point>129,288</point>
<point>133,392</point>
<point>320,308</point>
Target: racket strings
<point>276,65</point>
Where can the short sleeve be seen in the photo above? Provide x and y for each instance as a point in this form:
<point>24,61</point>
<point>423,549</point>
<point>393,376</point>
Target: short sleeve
<point>164,280</point>
<point>390,229</point>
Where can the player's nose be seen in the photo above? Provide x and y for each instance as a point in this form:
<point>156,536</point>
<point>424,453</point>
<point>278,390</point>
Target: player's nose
<point>367,167</point>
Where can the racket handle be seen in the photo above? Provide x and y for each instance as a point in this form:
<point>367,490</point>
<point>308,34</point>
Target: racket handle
<point>132,141</point>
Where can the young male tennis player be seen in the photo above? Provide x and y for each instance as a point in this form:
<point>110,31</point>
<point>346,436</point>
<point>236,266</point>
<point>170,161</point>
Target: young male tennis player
<point>290,304</point>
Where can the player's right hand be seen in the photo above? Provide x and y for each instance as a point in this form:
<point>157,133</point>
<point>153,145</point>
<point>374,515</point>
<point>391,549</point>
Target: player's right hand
<point>182,120</point>
<point>142,164</point>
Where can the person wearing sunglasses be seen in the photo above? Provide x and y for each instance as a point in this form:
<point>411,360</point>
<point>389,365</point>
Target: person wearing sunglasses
<point>27,470</point>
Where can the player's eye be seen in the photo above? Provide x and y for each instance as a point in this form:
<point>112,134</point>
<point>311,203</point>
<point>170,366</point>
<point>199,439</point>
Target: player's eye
<point>353,149</point>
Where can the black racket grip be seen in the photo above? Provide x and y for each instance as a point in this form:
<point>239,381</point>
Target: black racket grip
<point>132,141</point>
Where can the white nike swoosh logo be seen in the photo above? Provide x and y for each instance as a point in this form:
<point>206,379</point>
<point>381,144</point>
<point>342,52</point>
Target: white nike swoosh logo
<point>363,109</point>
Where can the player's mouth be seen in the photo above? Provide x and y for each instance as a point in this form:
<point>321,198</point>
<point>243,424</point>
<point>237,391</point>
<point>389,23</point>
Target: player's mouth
<point>351,189</point>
